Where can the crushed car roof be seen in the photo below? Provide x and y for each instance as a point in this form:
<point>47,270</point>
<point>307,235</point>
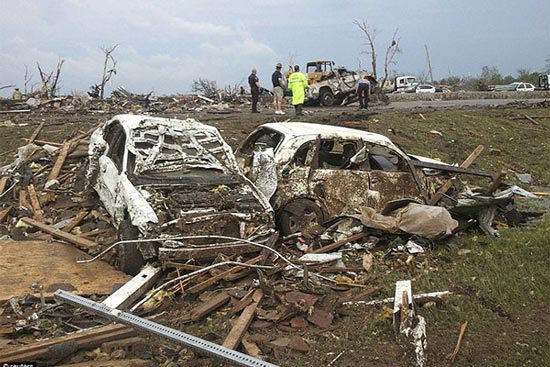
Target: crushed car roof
<point>312,129</point>
<point>134,121</point>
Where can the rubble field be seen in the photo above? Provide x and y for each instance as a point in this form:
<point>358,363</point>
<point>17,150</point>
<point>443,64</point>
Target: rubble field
<point>389,297</point>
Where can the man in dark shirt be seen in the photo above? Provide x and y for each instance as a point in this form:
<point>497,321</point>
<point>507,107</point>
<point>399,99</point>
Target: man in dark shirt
<point>254,83</point>
<point>278,91</point>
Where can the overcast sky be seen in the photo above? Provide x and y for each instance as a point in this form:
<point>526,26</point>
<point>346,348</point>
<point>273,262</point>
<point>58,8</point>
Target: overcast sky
<point>165,45</point>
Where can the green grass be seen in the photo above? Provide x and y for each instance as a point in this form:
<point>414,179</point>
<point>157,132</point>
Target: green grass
<point>514,144</point>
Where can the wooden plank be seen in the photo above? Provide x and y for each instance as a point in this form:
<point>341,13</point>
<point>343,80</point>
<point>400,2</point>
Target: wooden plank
<point>58,164</point>
<point>210,305</point>
<point>207,283</point>
<point>53,265</point>
<point>86,339</point>
<point>166,254</point>
<point>75,240</point>
<point>76,221</point>
<point>38,213</point>
<point>340,243</point>
<point>497,181</point>
<point>531,119</point>
<point>36,132</point>
<point>23,201</point>
<point>4,213</point>
<point>134,288</point>
<point>235,336</point>
<point>3,184</point>
<point>113,363</point>
<point>449,183</point>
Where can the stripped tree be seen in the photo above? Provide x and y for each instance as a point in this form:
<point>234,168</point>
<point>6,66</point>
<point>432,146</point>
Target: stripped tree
<point>391,52</point>
<point>50,81</point>
<point>109,68</point>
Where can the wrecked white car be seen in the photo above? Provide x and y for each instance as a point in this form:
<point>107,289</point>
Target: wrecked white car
<point>162,177</point>
<point>313,172</point>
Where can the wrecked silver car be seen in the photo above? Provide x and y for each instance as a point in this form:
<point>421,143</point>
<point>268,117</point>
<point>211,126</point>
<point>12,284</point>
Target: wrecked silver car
<point>313,172</point>
<point>162,177</point>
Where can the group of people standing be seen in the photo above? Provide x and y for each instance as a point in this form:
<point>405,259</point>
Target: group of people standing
<point>297,83</point>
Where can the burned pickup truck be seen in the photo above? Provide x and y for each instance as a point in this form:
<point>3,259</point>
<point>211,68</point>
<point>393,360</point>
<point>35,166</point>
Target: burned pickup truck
<point>313,172</point>
<point>160,178</point>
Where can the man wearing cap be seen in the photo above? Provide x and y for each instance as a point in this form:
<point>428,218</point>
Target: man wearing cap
<point>278,91</point>
<point>297,82</point>
<point>254,83</point>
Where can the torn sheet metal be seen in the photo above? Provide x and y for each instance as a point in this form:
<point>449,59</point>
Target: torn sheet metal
<point>264,173</point>
<point>173,177</point>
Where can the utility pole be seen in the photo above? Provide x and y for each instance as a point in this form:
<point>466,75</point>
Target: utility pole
<point>429,64</point>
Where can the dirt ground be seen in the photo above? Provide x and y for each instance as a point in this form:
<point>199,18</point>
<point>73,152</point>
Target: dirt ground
<point>364,335</point>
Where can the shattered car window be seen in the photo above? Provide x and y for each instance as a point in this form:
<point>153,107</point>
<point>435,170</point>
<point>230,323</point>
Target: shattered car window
<point>266,137</point>
<point>334,154</point>
<point>384,159</point>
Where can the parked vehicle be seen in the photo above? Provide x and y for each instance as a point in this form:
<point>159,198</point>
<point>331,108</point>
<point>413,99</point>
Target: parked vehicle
<point>425,88</point>
<point>322,171</point>
<point>515,87</point>
<point>405,84</point>
<point>161,177</point>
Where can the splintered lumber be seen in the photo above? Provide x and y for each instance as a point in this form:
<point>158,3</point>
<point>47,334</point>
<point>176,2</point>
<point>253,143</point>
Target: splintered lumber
<point>207,283</point>
<point>58,164</point>
<point>75,240</point>
<point>453,355</point>
<point>76,221</point>
<point>497,181</point>
<point>23,202</point>
<point>337,244</point>
<point>4,213</point>
<point>86,339</point>
<point>36,132</point>
<point>210,305</point>
<point>113,363</point>
<point>235,336</point>
<point>3,184</point>
<point>449,183</point>
<point>38,213</point>
<point>205,253</point>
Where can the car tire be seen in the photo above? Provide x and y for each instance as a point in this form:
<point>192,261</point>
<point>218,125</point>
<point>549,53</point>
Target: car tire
<point>327,98</point>
<point>297,214</point>
<point>130,260</point>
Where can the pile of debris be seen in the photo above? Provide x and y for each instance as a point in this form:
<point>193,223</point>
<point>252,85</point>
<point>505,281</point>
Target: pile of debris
<point>267,301</point>
<point>123,100</point>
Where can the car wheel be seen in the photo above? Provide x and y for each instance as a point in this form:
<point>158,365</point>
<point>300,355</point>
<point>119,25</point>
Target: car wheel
<point>129,257</point>
<point>327,98</point>
<point>298,214</point>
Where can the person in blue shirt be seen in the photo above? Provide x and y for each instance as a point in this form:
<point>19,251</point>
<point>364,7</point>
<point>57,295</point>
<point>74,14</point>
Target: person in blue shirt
<point>363,89</point>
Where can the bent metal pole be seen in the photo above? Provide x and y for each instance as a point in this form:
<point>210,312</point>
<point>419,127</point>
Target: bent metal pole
<point>200,346</point>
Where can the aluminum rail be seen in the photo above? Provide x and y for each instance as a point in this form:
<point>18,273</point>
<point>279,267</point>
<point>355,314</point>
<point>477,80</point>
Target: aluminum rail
<point>201,346</point>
